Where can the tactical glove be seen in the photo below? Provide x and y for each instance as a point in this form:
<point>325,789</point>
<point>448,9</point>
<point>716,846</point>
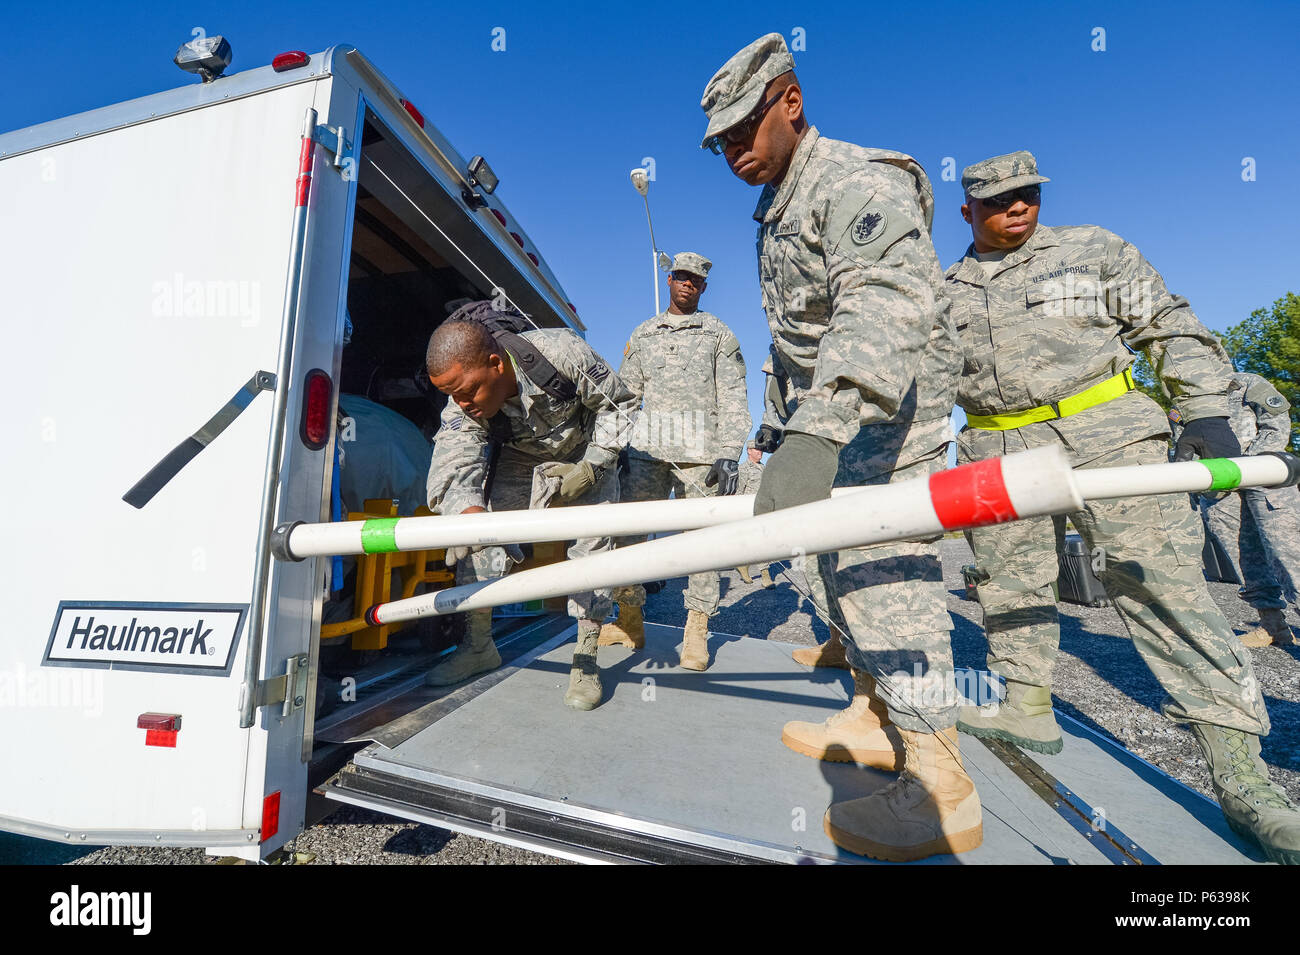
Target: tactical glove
<point>511,552</point>
<point>1207,438</point>
<point>725,474</point>
<point>767,439</point>
<point>802,470</point>
<point>575,479</point>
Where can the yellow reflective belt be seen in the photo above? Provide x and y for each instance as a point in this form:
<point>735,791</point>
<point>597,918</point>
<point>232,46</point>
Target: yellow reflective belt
<point>1098,394</point>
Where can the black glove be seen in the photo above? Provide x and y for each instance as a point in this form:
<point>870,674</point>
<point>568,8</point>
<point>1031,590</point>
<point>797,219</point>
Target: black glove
<point>767,439</point>
<point>725,474</point>
<point>802,470</point>
<point>1207,438</point>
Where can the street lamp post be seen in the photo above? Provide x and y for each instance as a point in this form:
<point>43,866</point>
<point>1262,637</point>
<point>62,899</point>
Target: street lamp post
<point>658,260</point>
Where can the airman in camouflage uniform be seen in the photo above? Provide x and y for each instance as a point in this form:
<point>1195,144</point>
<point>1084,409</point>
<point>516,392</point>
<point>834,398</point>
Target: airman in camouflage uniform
<point>687,367</point>
<point>1260,527</point>
<point>1048,317</point>
<point>854,300</point>
<point>577,440</point>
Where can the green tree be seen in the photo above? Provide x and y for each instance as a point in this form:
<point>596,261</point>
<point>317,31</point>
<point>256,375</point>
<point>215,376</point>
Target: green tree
<point>1268,344</point>
<point>1145,377</point>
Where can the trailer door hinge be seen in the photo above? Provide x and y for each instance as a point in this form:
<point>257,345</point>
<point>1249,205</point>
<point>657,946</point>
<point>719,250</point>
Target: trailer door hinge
<point>335,140</point>
<point>289,689</point>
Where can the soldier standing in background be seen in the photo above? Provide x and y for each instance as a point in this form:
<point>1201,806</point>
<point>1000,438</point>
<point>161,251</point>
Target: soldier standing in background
<point>687,367</point>
<point>1050,319</point>
<point>531,410</point>
<point>1258,527</point>
<point>854,300</point>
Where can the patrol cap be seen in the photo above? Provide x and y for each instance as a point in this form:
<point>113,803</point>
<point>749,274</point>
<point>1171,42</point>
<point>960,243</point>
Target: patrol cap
<point>693,263</point>
<point>736,90</point>
<point>1001,174</point>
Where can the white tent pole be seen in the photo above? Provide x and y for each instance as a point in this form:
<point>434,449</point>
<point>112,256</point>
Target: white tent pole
<point>299,541</point>
<point>1027,484</point>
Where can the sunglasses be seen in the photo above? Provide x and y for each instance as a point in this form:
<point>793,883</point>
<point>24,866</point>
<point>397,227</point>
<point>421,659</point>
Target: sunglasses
<point>1029,195</point>
<point>742,131</point>
<point>691,277</point>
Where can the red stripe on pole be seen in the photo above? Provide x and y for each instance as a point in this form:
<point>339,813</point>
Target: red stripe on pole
<point>971,495</point>
<point>304,172</point>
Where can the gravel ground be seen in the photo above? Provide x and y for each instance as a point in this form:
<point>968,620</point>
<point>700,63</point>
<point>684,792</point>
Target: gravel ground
<point>1100,680</point>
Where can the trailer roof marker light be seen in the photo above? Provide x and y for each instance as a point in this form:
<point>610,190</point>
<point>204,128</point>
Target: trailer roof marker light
<point>316,407</point>
<point>415,113</point>
<point>519,239</point>
<point>500,216</point>
<point>208,56</point>
<point>290,60</point>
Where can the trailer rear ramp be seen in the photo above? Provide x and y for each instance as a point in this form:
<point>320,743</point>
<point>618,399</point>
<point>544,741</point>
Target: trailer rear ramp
<point>678,766</point>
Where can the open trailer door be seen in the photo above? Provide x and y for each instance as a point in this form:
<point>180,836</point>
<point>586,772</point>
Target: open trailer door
<point>150,250</point>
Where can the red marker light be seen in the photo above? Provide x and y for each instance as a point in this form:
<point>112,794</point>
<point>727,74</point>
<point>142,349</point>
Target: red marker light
<point>270,815</point>
<point>518,238</point>
<point>290,61</point>
<point>536,262</point>
<point>500,218</point>
<point>160,728</point>
<point>415,113</point>
<point>573,308</point>
<point>315,429</point>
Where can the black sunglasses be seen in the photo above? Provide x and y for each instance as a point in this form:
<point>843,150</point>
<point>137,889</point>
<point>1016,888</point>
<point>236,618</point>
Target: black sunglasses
<point>1029,195</point>
<point>681,276</point>
<point>742,131</point>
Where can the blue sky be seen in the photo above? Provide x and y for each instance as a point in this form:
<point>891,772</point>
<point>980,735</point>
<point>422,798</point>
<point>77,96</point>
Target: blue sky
<point>1146,138</point>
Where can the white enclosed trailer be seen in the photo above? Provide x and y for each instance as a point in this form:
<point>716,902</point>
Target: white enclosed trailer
<point>161,255</point>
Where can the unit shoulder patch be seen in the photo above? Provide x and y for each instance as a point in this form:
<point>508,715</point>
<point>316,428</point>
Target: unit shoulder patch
<point>870,226</point>
<point>1275,401</point>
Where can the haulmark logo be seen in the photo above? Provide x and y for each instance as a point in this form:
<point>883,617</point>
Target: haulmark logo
<point>196,638</point>
<point>74,907</point>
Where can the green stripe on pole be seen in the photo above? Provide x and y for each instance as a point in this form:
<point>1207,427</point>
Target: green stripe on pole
<point>1224,474</point>
<point>378,536</point>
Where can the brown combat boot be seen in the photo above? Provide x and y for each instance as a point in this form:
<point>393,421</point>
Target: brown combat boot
<point>628,630</point>
<point>932,807</point>
<point>695,642</point>
<point>828,654</point>
<point>476,655</point>
<point>862,733</point>
<point>1272,630</point>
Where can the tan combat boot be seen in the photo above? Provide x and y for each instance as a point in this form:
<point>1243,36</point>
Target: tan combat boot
<point>584,676</point>
<point>828,654</point>
<point>744,574</point>
<point>1025,718</point>
<point>1273,630</point>
<point>476,655</point>
<point>932,807</point>
<point>1256,808</point>
<point>627,631</point>
<point>695,642</point>
<point>862,733</point>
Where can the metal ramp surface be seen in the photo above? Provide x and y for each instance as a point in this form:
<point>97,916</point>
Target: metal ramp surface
<point>678,766</point>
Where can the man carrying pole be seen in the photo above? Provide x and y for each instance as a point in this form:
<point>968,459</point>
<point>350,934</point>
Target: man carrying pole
<point>1050,319</point>
<point>854,300</point>
<point>533,416</point>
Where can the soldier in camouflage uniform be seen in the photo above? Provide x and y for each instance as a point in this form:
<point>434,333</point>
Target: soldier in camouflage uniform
<point>1258,527</point>
<point>854,300</point>
<point>686,365</point>
<point>1050,319</point>
<point>574,441</point>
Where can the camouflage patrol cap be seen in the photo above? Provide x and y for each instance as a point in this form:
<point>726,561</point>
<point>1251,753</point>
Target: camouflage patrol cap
<point>1001,174</point>
<point>693,263</point>
<point>736,90</point>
